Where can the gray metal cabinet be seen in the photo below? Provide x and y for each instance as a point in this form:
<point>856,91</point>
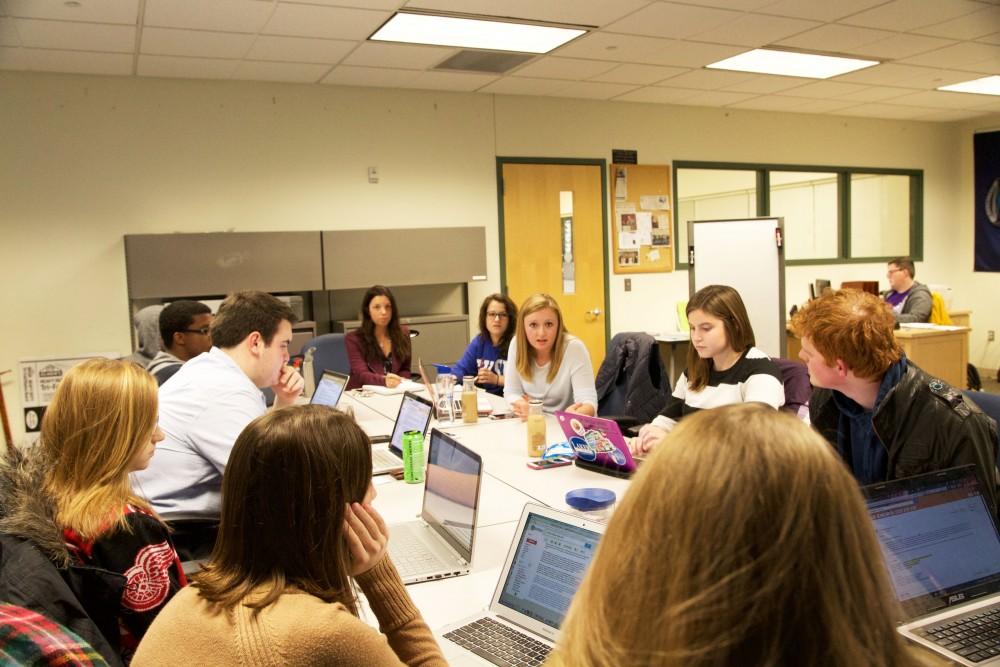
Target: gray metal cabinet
<point>442,338</point>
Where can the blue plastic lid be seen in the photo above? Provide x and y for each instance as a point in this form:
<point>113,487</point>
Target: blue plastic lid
<point>590,499</point>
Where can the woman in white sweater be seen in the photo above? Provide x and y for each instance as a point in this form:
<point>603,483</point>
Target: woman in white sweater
<point>546,363</point>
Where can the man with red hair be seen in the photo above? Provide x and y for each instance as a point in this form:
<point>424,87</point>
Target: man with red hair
<point>886,417</point>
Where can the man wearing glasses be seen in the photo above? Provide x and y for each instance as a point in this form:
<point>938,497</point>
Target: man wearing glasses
<point>910,300</point>
<point>184,329</point>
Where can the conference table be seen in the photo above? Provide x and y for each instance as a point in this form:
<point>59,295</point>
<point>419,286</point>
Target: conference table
<point>507,485</point>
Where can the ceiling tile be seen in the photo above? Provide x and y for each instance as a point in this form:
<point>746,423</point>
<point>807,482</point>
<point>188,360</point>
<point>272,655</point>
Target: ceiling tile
<point>906,76</point>
<point>825,89</point>
<point>618,48</point>
<point>198,43</point>
<point>299,49</point>
<point>581,12</point>
<point>940,99</point>
<point>951,116</point>
<point>666,19</point>
<point>8,33</point>
<point>718,98</point>
<point>991,39</point>
<point>79,62</point>
<point>346,75</point>
<point>970,26</point>
<point>658,95</point>
<point>401,56</point>
<point>75,36</point>
<point>253,70</point>
<point>13,58</point>
<point>971,56</point>
<point>564,68</point>
<point>886,111</point>
<point>767,83</point>
<point>449,81</point>
<point>185,68</point>
<point>591,90</point>
<point>222,15</point>
<point>516,85</point>
<point>875,94</point>
<point>640,74</point>
<point>94,11</point>
<point>819,10</point>
<point>836,38</point>
<point>707,79</point>
<point>361,4</point>
<point>903,15</point>
<point>756,30</point>
<point>696,54</point>
<point>902,45</point>
<point>824,106</point>
<point>770,103</point>
<point>738,5</point>
<point>332,22</point>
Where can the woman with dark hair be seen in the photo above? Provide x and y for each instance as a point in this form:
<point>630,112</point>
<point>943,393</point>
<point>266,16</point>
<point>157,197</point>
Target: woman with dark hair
<point>486,355</point>
<point>379,351</point>
<point>278,588</point>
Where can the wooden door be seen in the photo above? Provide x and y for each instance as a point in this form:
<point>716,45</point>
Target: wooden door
<point>532,240</point>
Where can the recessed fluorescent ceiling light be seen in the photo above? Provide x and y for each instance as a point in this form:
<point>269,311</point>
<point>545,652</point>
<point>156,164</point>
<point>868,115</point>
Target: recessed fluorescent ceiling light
<point>988,85</point>
<point>789,63</point>
<point>473,33</point>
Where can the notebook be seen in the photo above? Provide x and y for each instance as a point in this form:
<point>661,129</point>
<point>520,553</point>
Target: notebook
<point>414,415</point>
<point>942,551</point>
<point>531,598</point>
<point>330,388</point>
<point>439,544</point>
<point>598,444</point>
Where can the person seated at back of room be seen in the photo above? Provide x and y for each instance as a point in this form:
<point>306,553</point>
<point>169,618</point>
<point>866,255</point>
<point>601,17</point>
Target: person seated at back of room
<point>71,497</point>
<point>547,363</point>
<point>743,541</point>
<point>723,366</point>
<point>279,588</point>
<point>379,350</point>
<point>185,332</point>
<point>486,355</point>
<point>911,301</point>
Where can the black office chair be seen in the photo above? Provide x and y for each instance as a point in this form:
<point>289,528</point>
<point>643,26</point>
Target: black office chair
<point>632,383</point>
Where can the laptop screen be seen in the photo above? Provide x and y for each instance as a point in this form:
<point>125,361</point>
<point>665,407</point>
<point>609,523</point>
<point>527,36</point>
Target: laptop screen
<point>547,568</point>
<point>451,491</point>
<point>330,388</point>
<point>938,538</point>
<point>414,415</point>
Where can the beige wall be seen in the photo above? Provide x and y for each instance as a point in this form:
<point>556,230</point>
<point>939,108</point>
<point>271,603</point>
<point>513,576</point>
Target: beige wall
<point>86,160</point>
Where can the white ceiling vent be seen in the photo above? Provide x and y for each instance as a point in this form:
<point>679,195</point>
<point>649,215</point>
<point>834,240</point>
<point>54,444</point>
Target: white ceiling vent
<point>493,62</point>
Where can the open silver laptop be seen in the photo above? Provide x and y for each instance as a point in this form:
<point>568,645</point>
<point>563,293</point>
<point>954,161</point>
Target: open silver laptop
<point>387,451</point>
<point>942,550</point>
<point>532,597</point>
<point>440,543</point>
<point>330,388</point>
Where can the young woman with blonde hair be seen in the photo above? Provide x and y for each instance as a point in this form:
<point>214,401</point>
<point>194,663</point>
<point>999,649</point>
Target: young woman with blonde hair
<point>72,498</point>
<point>723,366</point>
<point>545,362</point>
<point>297,531</point>
<point>743,540</point>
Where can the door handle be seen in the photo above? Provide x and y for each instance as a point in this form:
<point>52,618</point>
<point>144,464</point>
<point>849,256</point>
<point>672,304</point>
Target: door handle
<point>594,313</point>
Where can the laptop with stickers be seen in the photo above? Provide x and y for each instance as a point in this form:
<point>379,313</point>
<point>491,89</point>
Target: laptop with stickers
<point>598,444</point>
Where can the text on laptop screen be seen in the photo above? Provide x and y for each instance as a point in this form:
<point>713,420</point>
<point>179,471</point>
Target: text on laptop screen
<point>937,538</point>
<point>547,568</point>
<point>413,416</point>
<point>328,391</point>
<point>451,489</point>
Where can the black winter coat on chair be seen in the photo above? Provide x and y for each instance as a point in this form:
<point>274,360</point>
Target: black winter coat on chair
<point>632,381</point>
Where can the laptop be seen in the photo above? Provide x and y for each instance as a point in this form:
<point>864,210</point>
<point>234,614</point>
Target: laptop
<point>531,598</point>
<point>942,550</point>
<point>598,444</point>
<point>414,415</point>
<point>330,388</point>
<point>439,544</point>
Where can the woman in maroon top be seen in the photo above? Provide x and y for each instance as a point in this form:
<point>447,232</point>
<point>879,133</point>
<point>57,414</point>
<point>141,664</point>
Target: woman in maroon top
<point>379,351</point>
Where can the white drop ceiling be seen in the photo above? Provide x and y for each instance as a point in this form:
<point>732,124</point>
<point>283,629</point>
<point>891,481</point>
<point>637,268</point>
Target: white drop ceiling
<point>638,51</point>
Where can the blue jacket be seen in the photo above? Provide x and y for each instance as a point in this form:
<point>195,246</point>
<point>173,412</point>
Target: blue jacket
<point>480,352</point>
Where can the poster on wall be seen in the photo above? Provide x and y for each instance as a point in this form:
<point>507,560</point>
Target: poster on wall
<point>39,379</point>
<point>986,146</point>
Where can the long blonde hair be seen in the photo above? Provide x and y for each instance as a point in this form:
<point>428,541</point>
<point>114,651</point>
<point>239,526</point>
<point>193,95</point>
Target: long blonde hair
<point>742,541</point>
<point>526,353</point>
<point>102,414</point>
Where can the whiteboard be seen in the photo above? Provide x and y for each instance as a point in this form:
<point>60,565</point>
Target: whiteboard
<point>749,256</point>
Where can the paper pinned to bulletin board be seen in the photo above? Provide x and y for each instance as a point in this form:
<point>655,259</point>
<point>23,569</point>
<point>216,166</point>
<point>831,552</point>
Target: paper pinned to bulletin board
<point>643,219</point>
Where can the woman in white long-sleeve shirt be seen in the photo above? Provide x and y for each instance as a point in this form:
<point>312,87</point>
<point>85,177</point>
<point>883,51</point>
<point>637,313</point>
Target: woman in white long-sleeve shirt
<point>546,363</point>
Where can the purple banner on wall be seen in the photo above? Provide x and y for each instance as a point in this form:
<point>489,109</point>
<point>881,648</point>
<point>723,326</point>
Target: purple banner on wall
<point>987,159</point>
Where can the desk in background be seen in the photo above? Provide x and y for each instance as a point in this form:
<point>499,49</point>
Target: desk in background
<point>673,351</point>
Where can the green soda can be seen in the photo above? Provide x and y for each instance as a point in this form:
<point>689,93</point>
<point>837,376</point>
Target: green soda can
<point>413,457</point>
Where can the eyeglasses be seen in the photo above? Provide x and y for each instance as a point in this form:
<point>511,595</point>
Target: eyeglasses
<point>892,271</point>
<point>496,316</point>
<point>203,331</point>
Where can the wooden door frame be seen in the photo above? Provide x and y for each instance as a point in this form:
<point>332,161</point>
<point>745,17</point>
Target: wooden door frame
<point>598,162</point>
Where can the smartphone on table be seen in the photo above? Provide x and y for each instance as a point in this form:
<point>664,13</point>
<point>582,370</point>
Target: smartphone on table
<point>554,462</point>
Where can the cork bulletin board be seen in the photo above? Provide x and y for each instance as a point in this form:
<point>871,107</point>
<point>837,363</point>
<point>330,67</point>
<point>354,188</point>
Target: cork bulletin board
<point>642,218</point>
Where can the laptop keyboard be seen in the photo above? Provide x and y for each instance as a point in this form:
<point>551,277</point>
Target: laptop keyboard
<point>411,556</point>
<point>975,637</point>
<point>500,644</point>
<point>383,459</point>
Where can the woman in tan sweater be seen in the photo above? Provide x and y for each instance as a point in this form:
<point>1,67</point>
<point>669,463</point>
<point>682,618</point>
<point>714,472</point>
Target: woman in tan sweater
<point>296,527</point>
